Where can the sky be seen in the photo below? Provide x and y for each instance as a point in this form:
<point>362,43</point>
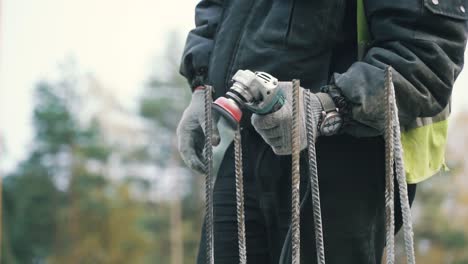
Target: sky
<point>117,40</point>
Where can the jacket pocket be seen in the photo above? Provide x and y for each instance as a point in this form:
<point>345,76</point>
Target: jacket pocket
<point>300,24</point>
<point>457,9</point>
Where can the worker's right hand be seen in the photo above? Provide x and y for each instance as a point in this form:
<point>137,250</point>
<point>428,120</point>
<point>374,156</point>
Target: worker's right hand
<point>190,135</point>
<point>190,132</point>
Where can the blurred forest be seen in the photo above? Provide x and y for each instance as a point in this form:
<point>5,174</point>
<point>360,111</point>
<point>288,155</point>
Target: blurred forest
<point>103,184</point>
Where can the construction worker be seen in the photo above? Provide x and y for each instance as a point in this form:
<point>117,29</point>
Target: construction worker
<point>316,41</point>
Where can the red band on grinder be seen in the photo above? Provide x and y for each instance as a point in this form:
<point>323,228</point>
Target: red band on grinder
<point>230,107</point>
<point>200,87</point>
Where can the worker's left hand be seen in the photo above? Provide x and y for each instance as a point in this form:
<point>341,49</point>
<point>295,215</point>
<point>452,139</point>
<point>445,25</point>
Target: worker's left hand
<point>275,128</point>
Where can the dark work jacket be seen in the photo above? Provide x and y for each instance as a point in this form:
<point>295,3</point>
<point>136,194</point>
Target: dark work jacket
<point>315,41</point>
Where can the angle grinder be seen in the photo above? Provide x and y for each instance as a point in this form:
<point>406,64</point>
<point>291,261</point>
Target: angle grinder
<point>255,91</point>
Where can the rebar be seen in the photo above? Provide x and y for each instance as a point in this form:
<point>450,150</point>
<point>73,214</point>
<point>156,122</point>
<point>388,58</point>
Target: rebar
<point>295,175</point>
<point>401,178</point>
<point>208,155</point>
<point>240,198</point>
<point>311,129</point>
<point>393,157</point>
<point>389,173</point>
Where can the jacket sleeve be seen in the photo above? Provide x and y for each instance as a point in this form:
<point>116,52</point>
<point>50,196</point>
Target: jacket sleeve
<point>424,42</point>
<point>200,40</point>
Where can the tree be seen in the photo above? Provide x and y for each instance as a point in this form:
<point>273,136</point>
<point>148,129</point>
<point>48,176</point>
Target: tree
<point>31,202</point>
<point>162,103</point>
<point>61,205</point>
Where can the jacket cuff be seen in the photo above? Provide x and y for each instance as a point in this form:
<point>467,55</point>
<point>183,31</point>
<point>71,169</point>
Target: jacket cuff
<point>199,79</point>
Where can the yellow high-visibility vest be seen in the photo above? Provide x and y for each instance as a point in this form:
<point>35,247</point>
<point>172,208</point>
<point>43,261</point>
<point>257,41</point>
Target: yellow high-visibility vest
<point>424,141</point>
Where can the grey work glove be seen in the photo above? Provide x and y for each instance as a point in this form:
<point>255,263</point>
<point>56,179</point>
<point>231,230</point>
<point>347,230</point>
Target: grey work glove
<point>275,128</point>
<point>190,132</point>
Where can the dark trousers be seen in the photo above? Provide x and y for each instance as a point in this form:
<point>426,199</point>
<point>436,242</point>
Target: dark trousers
<point>352,186</point>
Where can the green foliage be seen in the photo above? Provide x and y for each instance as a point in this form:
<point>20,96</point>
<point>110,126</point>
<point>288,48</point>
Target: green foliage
<point>454,239</point>
<point>31,201</point>
<point>101,224</point>
<point>164,99</point>
<point>445,239</point>
<point>63,205</point>
<point>166,93</point>
<point>53,122</point>
<point>91,144</point>
<point>59,209</point>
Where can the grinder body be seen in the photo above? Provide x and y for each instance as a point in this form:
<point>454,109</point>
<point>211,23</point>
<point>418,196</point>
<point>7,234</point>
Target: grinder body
<point>257,92</point>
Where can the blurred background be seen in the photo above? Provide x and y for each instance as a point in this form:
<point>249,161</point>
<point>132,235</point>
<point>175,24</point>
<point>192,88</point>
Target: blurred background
<point>90,97</point>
